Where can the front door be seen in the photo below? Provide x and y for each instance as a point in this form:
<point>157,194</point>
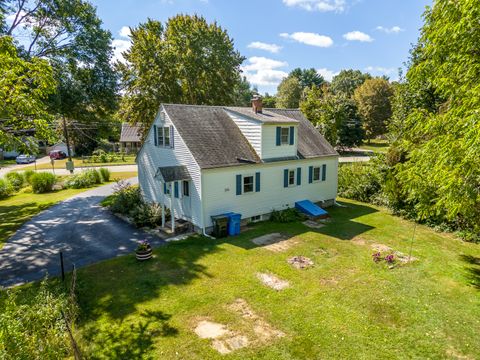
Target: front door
<point>186,199</point>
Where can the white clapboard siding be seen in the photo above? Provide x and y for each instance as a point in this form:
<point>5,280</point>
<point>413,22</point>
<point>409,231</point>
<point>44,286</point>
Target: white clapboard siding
<point>219,192</point>
<point>251,129</point>
<point>150,158</point>
<point>270,150</point>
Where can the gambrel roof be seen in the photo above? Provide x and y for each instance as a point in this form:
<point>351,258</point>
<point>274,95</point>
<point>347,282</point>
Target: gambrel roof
<point>215,140</point>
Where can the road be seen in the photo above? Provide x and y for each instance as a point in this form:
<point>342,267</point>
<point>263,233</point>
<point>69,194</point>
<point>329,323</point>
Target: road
<point>79,227</point>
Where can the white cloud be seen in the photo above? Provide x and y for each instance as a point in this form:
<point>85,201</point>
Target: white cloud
<point>264,71</point>
<point>357,36</point>
<point>273,48</point>
<point>392,30</point>
<point>327,74</point>
<point>309,38</point>
<point>124,32</point>
<point>380,70</point>
<point>120,46</point>
<point>317,5</point>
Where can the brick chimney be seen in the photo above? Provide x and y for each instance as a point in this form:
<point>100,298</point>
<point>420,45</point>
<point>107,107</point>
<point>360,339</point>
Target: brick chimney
<point>257,104</point>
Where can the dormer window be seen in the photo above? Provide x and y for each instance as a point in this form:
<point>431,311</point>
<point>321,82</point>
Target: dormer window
<point>163,136</point>
<point>285,137</point>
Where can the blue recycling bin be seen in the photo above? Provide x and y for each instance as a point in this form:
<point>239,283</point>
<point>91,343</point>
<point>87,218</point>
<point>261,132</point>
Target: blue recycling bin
<point>234,221</point>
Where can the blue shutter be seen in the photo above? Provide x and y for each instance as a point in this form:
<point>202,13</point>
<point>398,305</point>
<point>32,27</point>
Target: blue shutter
<point>239,184</point>
<point>279,136</point>
<point>257,182</point>
<point>310,174</point>
<point>299,176</point>
<point>155,138</point>
<point>164,187</point>
<point>285,178</point>
<point>324,172</point>
<point>175,189</point>
<point>171,136</point>
<point>292,135</point>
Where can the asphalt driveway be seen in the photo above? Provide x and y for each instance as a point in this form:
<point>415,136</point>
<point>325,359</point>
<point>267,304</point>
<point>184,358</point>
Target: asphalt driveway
<point>79,227</point>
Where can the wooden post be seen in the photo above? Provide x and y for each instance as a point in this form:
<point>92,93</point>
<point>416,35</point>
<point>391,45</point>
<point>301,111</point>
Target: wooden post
<point>163,211</point>
<point>172,209</point>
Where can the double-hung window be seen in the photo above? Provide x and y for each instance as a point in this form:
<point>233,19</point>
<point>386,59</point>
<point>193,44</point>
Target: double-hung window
<point>285,136</point>
<point>163,136</point>
<point>166,136</point>
<point>291,177</point>
<point>316,173</point>
<point>186,188</point>
<point>247,184</point>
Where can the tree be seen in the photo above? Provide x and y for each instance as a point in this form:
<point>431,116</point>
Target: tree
<point>441,133</point>
<point>69,34</point>
<point>373,99</point>
<point>307,77</point>
<point>269,101</point>
<point>289,93</point>
<point>186,61</point>
<point>347,81</point>
<point>243,93</point>
<point>334,114</point>
<point>24,89</point>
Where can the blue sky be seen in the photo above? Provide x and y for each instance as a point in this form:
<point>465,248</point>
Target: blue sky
<point>278,35</point>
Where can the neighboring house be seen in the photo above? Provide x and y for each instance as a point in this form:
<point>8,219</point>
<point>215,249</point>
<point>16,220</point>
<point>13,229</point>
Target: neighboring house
<point>130,139</point>
<point>201,161</point>
<point>61,146</point>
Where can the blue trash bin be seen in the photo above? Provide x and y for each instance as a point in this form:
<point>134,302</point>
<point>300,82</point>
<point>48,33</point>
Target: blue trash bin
<point>234,221</point>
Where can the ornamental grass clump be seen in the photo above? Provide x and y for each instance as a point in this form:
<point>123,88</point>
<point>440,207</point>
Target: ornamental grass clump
<point>42,182</point>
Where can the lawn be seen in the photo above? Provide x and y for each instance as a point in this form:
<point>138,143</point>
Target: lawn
<point>380,146</point>
<point>6,163</point>
<point>17,209</point>
<point>79,163</point>
<point>346,306</point>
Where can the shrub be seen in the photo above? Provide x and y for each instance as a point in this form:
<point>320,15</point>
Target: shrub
<point>362,182</point>
<point>84,179</point>
<point>27,175</point>
<point>6,189</point>
<point>105,174</point>
<point>15,179</point>
<point>286,216</point>
<point>146,214</point>
<point>42,182</point>
<point>125,198</point>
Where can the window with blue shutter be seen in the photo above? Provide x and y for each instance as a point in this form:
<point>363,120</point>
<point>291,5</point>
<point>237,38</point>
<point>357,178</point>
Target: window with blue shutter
<point>324,172</point>
<point>292,135</point>
<point>175,189</point>
<point>279,136</point>
<point>155,135</point>
<point>299,176</point>
<point>285,178</point>
<point>165,190</point>
<point>239,184</point>
<point>257,182</point>
<point>310,174</point>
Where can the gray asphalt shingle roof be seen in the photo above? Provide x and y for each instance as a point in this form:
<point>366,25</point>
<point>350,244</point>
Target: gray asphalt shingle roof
<point>130,133</point>
<point>215,140</point>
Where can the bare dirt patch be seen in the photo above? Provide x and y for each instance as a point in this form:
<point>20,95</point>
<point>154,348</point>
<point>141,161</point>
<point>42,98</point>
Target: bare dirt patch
<point>399,256</point>
<point>224,340</point>
<point>210,330</point>
<point>273,281</point>
<point>275,242</point>
<point>300,262</point>
<point>313,224</point>
<point>381,248</point>
<point>328,281</point>
<point>357,240</point>
<point>262,329</point>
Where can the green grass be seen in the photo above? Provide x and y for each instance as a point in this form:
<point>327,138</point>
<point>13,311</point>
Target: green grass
<point>376,146</point>
<point>78,162</point>
<point>19,208</point>
<point>7,162</point>
<point>345,307</point>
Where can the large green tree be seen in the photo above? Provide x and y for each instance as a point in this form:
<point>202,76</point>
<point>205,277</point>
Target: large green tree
<point>187,60</point>
<point>347,81</point>
<point>307,77</point>
<point>25,86</point>
<point>70,35</point>
<point>289,93</point>
<point>441,133</point>
<point>373,99</point>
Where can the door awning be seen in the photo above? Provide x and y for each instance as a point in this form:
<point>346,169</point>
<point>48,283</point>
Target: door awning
<point>173,173</point>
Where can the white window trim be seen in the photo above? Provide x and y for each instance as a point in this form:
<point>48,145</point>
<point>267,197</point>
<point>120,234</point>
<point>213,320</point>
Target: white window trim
<point>183,188</point>
<point>288,135</point>
<point>319,167</point>
<point>161,130</point>
<point>294,178</point>
<point>243,184</point>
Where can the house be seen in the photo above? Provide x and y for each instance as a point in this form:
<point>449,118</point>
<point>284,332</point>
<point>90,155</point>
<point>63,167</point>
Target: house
<point>130,139</point>
<point>201,161</point>
<point>61,146</point>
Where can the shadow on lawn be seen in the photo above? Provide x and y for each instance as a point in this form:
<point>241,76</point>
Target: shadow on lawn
<point>343,226</point>
<point>473,272</point>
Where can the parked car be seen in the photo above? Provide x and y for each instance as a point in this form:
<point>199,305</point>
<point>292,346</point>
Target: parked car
<point>25,159</point>
<point>57,155</point>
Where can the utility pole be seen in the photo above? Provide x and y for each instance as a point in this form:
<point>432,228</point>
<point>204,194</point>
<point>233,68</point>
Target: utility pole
<point>69,152</point>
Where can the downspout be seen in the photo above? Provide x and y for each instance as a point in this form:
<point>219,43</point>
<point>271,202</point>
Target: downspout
<point>203,210</point>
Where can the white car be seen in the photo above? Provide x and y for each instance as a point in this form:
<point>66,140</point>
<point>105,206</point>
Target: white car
<point>25,159</point>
